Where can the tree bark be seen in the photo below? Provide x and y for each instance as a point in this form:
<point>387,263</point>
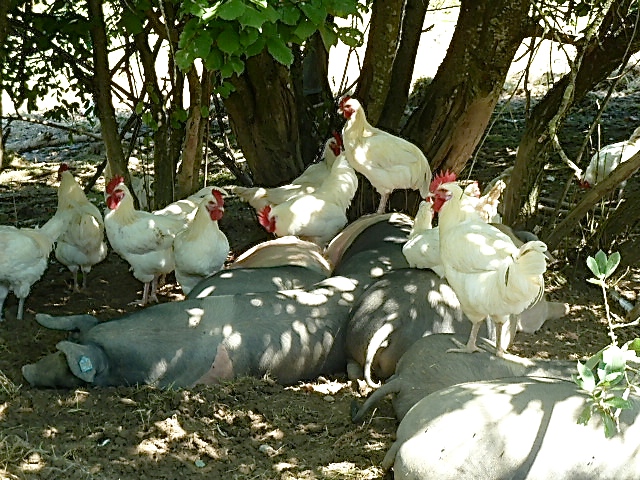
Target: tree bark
<point>382,42</point>
<point>402,72</point>
<point>460,100</point>
<point>604,55</point>
<point>264,119</point>
<point>4,23</point>
<point>102,91</point>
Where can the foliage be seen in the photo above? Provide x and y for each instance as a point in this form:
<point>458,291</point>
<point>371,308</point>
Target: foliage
<point>610,375</point>
<point>224,34</point>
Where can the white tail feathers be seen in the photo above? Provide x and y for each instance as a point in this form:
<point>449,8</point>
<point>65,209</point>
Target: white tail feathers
<point>531,258</point>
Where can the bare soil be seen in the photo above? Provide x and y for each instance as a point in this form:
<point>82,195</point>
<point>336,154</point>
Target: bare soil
<point>248,428</point>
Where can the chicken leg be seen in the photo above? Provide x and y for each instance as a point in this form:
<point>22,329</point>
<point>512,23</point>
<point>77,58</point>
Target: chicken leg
<point>382,206</point>
<point>471,343</point>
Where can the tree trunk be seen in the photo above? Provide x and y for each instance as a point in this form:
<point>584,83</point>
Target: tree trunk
<point>604,55</point>
<point>402,72</point>
<point>264,119</point>
<point>460,100</point>
<point>4,24</point>
<point>382,42</point>
<point>102,91</point>
<point>200,98</point>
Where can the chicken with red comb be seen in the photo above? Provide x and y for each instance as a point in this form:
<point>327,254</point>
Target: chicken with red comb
<point>387,161</point>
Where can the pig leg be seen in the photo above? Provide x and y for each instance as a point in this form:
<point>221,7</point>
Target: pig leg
<point>80,323</point>
<point>222,368</point>
<point>392,386</point>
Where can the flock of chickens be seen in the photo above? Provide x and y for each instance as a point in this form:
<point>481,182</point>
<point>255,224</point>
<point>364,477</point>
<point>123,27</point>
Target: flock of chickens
<point>494,273</point>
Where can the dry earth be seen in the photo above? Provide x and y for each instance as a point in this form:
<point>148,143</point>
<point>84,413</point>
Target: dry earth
<point>249,428</point>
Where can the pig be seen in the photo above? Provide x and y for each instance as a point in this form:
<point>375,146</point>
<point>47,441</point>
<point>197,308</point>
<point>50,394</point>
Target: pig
<point>290,335</point>
<point>282,264</point>
<point>392,313</point>
<point>512,428</point>
<point>427,367</point>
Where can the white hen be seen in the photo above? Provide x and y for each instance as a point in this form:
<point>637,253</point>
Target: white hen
<point>604,161</point>
<point>387,161</point>
<point>24,256</point>
<point>307,182</point>
<point>489,274</point>
<point>422,249</point>
<point>202,248</point>
<point>316,216</point>
<point>82,245</point>
<point>143,239</point>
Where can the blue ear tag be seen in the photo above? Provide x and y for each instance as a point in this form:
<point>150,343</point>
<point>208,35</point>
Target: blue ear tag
<point>85,364</point>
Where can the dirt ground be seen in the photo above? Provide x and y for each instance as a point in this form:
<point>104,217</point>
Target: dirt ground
<point>248,428</point>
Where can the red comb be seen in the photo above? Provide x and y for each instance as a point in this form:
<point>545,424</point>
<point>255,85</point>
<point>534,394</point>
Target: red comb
<point>63,167</point>
<point>441,178</point>
<point>344,100</point>
<point>338,138</point>
<point>115,181</point>
<point>218,196</point>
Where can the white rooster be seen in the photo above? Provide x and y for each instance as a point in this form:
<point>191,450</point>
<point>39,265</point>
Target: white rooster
<point>202,248</point>
<point>82,245</point>
<point>387,161</point>
<point>307,182</point>
<point>143,239</point>
<point>24,256</point>
<point>316,216</point>
<point>489,274</point>
<point>604,161</point>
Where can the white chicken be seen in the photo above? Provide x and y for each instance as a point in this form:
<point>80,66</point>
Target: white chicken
<point>489,274</point>
<point>143,239</point>
<point>307,182</point>
<point>202,248</point>
<point>604,161</point>
<point>316,216</point>
<point>24,256</point>
<point>422,249</point>
<point>487,204</point>
<point>387,161</point>
<point>82,245</point>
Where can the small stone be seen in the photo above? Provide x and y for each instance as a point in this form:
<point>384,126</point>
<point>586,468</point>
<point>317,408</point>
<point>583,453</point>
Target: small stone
<point>329,398</point>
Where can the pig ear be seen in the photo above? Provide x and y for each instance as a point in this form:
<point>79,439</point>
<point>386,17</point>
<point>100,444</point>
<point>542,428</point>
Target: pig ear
<point>85,361</point>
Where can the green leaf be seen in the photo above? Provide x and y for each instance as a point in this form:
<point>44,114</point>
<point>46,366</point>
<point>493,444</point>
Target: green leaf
<point>304,30</point>
<point>612,263</point>
<point>237,64</point>
<point>593,266</point>
<point>634,345</point>
<point>252,18</point>
<point>225,89</point>
<point>290,14</point>
<point>329,36</point>
<point>226,70</point>
<point>201,45</point>
<point>231,10</point>
<point>342,8</point>
<point>130,22</point>
<point>255,48</point>
<point>614,358</point>
<point>271,14</point>
<point>204,111</point>
<point>601,259</point>
<point>617,402</point>
<point>587,380</point>
<point>260,3</point>
<point>248,36</point>
<point>228,41</point>
<point>184,59</point>
<point>314,11</point>
<point>214,60</point>
<point>279,50</point>
<point>610,427</point>
<point>585,415</point>
<point>350,36</point>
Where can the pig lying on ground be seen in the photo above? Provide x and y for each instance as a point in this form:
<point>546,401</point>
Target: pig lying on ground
<point>427,367</point>
<point>392,314</point>
<point>283,264</point>
<point>515,428</point>
<point>290,335</point>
